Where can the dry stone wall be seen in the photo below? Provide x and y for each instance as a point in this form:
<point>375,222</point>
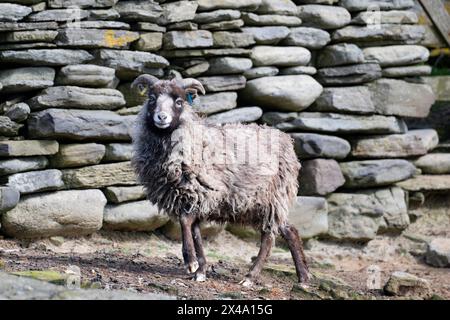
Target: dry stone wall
<point>339,76</point>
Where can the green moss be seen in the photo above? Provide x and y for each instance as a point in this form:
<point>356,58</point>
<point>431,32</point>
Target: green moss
<point>45,275</point>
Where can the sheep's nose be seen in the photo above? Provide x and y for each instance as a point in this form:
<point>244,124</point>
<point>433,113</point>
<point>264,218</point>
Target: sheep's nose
<point>162,116</point>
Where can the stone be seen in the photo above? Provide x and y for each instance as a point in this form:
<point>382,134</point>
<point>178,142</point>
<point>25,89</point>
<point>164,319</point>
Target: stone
<point>401,98</point>
<point>320,177</point>
<point>177,12</point>
<point>14,165</point>
<point>408,71</point>
<point>223,83</point>
<point>286,7</point>
<point>310,145</point>
<point>150,42</point>
<point>386,17</point>
<point>26,79</point>
<point>354,217</point>
<point>217,102</point>
<point>252,19</point>
<point>286,93</point>
<point>136,10</point>
<point>345,124</point>
<point>228,65</point>
<point>239,115</point>
<point>8,127</point>
<point>440,85</point>
<point>11,12</point>
<point>61,213</point>
<point>24,148</point>
<point>208,230</point>
<point>96,38</point>
<point>267,35</point>
<point>223,25</point>
<point>232,39</point>
<point>364,5</point>
<point>202,53</point>
<point>385,34</point>
<point>375,173</point>
<point>247,5</point>
<point>438,253</point>
<point>36,181</point>
<point>118,152</point>
<point>310,38</point>
<point>80,125</point>
<point>59,15</point>
<point>23,26</point>
<point>99,25</point>
<point>147,26</point>
<point>436,183</point>
<point>77,98</point>
<point>77,155</point>
<point>81,3</point>
<point>310,216</point>
<point>18,112</point>
<point>434,163</point>
<point>347,75</point>
<point>217,15</point>
<point>344,99</point>
<point>29,36</point>
<point>187,39</point>
<point>124,194</point>
<point>340,54</point>
<point>133,216</point>
<point>260,72</point>
<point>86,75</point>
<point>389,56</point>
<point>104,14</point>
<point>298,70</point>
<point>407,285</point>
<point>196,70</point>
<point>99,176</point>
<point>324,17</point>
<point>411,143</point>
<point>9,198</point>
<point>46,57</point>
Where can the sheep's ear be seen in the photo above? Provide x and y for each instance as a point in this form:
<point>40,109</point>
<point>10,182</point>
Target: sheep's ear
<point>193,86</point>
<point>143,83</point>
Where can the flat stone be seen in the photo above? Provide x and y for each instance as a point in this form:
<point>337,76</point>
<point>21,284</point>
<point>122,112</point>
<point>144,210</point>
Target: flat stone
<point>80,125</point>
<point>208,230</point>
<point>344,99</point>
<point>86,75</point>
<point>426,183</point>
<point>196,70</point>
<point>364,5</point>
<point>408,71</point>
<point>228,65</point>
<point>9,198</point>
<point>147,26</point>
<point>77,98</point>
<point>104,14</point>
<point>438,253</point>
<point>386,17</point>
<point>150,42</point>
<point>14,165</point>
<point>320,177</point>
<point>217,15</point>
<point>62,213</point>
<point>81,3</point>
<point>124,194</point>
<point>267,35</point>
<point>375,173</point>
<point>232,39</point>
<point>13,12</point>
<point>24,148</point>
<point>407,285</point>
<point>184,25</point>
<point>310,38</point>
<point>29,36</point>
<point>144,11</point>
<point>223,25</point>
<point>26,79</point>
<point>223,83</point>
<point>118,152</point>
<point>401,98</point>
<point>310,145</point>
<point>340,54</point>
<point>59,15</point>
<point>239,115</point>
<point>217,102</point>
<point>354,217</point>
<point>187,39</point>
<point>18,112</point>
<point>46,57</point>
<point>385,34</point>
<point>177,12</point>
<point>99,176</point>
<point>286,7</point>
<point>247,5</point>
<point>287,93</point>
<point>36,181</point>
<point>252,19</point>
<point>310,216</point>
<point>389,56</point>
<point>280,56</point>
<point>202,53</point>
<point>133,216</point>
<point>23,26</point>
<point>77,155</point>
<point>324,17</point>
<point>434,163</point>
<point>8,127</point>
<point>94,38</point>
<point>260,72</point>
<point>298,70</point>
<point>27,45</point>
<point>411,143</point>
<point>344,124</point>
<point>346,75</point>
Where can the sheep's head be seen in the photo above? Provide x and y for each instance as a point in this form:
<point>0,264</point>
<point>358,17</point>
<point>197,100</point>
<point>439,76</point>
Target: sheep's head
<point>167,100</point>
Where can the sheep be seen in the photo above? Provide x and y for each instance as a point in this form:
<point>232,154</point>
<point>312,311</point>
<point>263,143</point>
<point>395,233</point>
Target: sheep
<point>192,170</point>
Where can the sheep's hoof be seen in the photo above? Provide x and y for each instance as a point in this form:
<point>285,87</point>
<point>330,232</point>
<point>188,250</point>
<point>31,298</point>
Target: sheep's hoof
<point>192,267</point>
<point>246,282</point>
<point>200,277</point>
<point>303,285</point>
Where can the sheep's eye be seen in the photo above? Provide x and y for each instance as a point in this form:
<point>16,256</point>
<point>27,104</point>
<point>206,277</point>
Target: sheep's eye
<point>152,98</point>
<point>179,103</point>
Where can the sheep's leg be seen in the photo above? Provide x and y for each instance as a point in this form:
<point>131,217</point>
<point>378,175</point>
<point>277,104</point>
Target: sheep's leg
<point>200,274</point>
<point>267,240</point>
<point>290,234</point>
<point>188,248</point>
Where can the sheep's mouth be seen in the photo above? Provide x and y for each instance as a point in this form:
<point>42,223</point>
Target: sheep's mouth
<point>162,125</point>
